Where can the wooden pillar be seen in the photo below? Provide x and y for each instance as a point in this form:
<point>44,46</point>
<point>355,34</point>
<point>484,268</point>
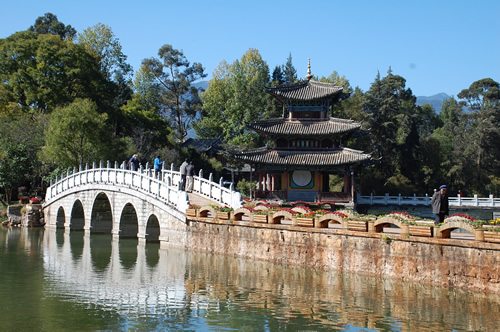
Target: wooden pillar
<point>259,185</point>
<point>268,182</point>
<point>273,182</point>
<point>352,185</point>
<point>346,181</point>
<point>251,179</point>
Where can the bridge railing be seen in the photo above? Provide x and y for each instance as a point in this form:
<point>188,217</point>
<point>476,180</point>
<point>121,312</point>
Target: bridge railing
<point>426,200</point>
<point>216,191</point>
<point>166,188</point>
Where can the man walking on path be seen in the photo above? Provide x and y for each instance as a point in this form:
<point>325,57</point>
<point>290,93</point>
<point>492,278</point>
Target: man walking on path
<point>183,174</point>
<point>158,165</point>
<point>439,204</point>
<point>189,177</point>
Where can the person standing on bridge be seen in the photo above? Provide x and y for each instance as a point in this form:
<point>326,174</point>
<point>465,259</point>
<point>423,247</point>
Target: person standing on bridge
<point>189,177</point>
<point>158,166</point>
<point>183,174</point>
<point>133,163</point>
<point>439,204</point>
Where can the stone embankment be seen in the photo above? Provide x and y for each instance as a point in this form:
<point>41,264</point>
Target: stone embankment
<point>28,215</point>
<point>387,247</point>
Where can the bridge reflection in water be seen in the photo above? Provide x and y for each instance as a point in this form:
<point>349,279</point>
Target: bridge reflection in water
<point>155,287</point>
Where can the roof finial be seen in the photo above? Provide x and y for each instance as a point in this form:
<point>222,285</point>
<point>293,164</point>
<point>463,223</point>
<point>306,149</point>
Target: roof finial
<point>309,76</point>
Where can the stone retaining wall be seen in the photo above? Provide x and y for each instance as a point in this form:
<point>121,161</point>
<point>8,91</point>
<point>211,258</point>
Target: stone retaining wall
<point>470,265</point>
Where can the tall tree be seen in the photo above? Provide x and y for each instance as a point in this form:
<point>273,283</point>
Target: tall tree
<point>180,98</point>
<point>482,131</point>
<point>278,77</point>
<point>77,134</point>
<point>49,24</point>
<point>42,71</point>
<point>142,121</point>
<point>20,141</point>
<point>289,71</point>
<point>393,124</point>
<point>100,41</point>
<point>235,97</point>
<point>215,102</point>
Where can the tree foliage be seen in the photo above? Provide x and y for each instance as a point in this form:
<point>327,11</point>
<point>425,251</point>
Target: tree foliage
<point>235,97</point>
<point>76,134</point>
<point>49,24</point>
<point>41,72</point>
<point>180,99</point>
<point>100,41</point>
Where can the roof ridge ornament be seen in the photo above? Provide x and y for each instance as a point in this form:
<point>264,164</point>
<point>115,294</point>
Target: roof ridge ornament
<point>309,76</point>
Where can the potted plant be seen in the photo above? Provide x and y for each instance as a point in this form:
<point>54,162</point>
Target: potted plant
<point>304,219</point>
<point>192,210</point>
<point>223,212</point>
<point>259,216</point>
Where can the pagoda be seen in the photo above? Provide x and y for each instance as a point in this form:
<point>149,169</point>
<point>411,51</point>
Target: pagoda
<point>308,145</point>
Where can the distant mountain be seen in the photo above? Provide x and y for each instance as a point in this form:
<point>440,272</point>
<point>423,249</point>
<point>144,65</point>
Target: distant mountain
<point>201,84</point>
<point>436,101</point>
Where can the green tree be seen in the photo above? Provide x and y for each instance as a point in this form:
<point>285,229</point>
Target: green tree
<point>289,71</point>
<point>21,139</point>
<point>41,72</point>
<point>342,109</point>
<point>394,125</point>
<point>235,97</point>
<point>278,77</point>
<point>480,150</point>
<point>215,103</point>
<point>76,134</point>
<point>100,41</point>
<point>180,99</point>
<point>49,24</point>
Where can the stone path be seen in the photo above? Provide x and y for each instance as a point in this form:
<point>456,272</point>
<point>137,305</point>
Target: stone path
<point>199,200</point>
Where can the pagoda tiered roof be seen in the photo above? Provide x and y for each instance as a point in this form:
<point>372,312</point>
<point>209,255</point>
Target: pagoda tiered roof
<point>303,158</point>
<point>305,90</point>
<point>304,127</point>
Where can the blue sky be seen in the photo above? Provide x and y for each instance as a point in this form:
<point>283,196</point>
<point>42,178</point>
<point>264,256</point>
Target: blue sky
<point>437,46</point>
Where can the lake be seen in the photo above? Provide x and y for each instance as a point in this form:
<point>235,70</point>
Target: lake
<point>59,281</point>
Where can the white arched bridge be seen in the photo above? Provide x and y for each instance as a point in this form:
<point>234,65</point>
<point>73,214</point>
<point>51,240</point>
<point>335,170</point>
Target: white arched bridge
<point>126,203</point>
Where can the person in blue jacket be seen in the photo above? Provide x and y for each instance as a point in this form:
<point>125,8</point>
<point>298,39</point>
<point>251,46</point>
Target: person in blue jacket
<point>158,166</point>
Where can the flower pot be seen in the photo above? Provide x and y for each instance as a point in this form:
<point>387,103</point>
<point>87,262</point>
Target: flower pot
<point>304,222</point>
<point>490,236</point>
<point>357,226</point>
<point>262,218</point>
<point>191,212</point>
<point>222,215</point>
<point>426,231</point>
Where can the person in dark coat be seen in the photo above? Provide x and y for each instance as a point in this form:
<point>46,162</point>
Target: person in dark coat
<point>189,177</point>
<point>439,204</point>
<point>183,174</point>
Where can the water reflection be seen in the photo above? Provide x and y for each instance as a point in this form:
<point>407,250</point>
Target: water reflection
<point>128,284</point>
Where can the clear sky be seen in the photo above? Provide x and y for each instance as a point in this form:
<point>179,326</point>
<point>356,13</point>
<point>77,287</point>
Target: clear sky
<point>437,46</point>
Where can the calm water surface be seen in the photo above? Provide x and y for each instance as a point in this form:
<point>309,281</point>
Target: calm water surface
<point>57,281</point>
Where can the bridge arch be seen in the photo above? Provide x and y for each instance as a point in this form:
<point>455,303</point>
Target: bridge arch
<point>77,217</point>
<point>152,229</point>
<point>60,218</point>
<point>102,214</point>
<point>129,223</point>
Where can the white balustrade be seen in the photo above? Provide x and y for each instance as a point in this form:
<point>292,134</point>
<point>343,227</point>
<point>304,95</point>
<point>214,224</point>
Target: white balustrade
<point>426,200</point>
<point>144,181</point>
